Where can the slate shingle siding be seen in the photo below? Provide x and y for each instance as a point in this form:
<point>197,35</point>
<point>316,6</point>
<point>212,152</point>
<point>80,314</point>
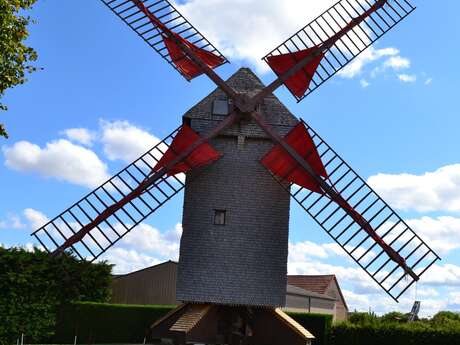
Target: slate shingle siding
<point>245,261</point>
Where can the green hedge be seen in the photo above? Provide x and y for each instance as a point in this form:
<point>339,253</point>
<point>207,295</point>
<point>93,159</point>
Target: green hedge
<point>106,323</point>
<point>319,325</point>
<point>34,286</point>
<point>418,333</point>
<point>118,323</point>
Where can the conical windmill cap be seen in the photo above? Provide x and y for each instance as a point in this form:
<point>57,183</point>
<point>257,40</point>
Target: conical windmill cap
<point>243,81</point>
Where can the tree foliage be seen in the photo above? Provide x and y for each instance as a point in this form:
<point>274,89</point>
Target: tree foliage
<point>35,286</point>
<point>15,56</point>
<point>393,328</point>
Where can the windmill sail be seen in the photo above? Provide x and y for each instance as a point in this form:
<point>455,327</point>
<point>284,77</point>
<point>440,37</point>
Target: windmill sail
<point>161,26</point>
<point>333,40</point>
<point>377,239</point>
<point>104,216</point>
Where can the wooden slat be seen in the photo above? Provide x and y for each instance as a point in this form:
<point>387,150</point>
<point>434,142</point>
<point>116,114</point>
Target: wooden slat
<point>293,324</point>
<point>192,316</point>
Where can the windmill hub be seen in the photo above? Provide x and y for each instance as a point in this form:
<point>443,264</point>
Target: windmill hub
<point>243,103</point>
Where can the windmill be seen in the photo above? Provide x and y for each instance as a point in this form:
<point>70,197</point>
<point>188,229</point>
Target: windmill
<point>246,157</point>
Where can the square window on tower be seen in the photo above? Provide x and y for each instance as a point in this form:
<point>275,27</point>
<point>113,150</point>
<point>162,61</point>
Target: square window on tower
<point>219,217</point>
<point>220,107</point>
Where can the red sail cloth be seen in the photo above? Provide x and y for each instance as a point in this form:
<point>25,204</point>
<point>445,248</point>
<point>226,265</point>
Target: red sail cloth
<point>183,63</point>
<point>202,155</point>
<point>298,83</point>
<point>278,161</point>
<point>186,66</point>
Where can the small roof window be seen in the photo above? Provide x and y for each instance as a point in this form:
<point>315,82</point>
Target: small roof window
<point>220,107</point>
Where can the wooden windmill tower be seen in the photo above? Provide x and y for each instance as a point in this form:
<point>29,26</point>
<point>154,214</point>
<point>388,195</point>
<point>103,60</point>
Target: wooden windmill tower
<point>245,157</point>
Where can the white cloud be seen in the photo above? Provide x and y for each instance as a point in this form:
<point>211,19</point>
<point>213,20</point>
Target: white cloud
<point>368,56</point>
<point>80,135</point>
<point>407,78</point>
<point>364,83</point>
<point>432,191</point>
<point>442,233</point>
<point>302,250</point>
<point>128,260</point>
<point>427,292</point>
<point>269,24</point>
<point>429,81</point>
<point>60,159</point>
<point>442,275</point>
<point>143,247</point>
<point>35,218</point>
<point>123,141</point>
<point>150,240</point>
<point>12,222</point>
<point>397,63</point>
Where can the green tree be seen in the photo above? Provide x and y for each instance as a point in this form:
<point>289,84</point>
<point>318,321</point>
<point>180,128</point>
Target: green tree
<point>362,318</point>
<point>15,56</point>
<point>34,286</point>
<point>395,316</point>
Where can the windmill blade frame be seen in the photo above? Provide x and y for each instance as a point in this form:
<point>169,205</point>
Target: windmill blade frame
<point>351,236</point>
<point>172,20</point>
<point>328,34</point>
<point>108,232</point>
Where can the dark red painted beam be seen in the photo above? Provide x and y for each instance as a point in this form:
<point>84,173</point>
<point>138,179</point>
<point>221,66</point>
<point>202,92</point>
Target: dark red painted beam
<point>269,130</point>
<point>325,46</point>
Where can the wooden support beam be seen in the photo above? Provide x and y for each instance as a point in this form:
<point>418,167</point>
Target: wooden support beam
<point>269,130</point>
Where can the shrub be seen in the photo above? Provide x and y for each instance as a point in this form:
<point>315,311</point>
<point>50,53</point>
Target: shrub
<point>106,323</point>
<point>395,316</point>
<point>443,316</point>
<point>319,325</point>
<point>417,333</point>
<point>34,285</point>
<point>362,318</point>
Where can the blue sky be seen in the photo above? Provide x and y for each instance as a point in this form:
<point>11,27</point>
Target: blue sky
<point>103,97</point>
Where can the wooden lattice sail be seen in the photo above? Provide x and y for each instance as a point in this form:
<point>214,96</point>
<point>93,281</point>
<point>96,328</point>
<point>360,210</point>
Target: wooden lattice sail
<point>355,217</point>
<point>333,40</point>
<point>164,29</point>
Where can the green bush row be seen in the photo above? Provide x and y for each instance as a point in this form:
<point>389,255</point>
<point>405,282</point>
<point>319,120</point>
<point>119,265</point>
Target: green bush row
<point>417,333</point>
<point>106,323</point>
<point>34,286</point>
<point>320,325</point>
<point>117,323</point>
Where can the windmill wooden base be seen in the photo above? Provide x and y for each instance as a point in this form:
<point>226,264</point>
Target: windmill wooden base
<point>218,324</point>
